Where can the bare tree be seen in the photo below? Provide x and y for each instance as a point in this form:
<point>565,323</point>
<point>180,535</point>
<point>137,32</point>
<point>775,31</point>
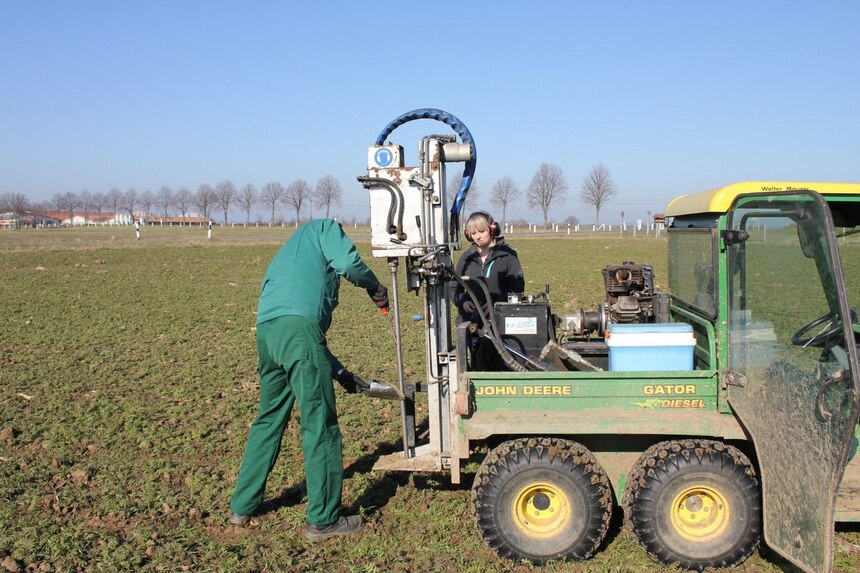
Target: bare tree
<point>204,199</point>
<point>164,200</point>
<point>68,201</point>
<point>327,192</point>
<point>225,194</point>
<point>245,201</point>
<point>15,203</point>
<point>272,194</point>
<point>114,199</point>
<point>131,200</point>
<point>597,189</point>
<point>296,194</point>
<point>146,201</point>
<point>86,199</point>
<point>98,201</point>
<point>505,191</point>
<point>471,196</point>
<point>73,201</point>
<point>547,186</point>
<point>183,199</point>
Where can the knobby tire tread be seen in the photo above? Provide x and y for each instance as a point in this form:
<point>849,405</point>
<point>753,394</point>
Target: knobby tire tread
<point>666,457</point>
<point>578,456</point>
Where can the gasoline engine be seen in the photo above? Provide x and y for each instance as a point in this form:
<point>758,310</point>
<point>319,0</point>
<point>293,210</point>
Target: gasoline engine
<point>630,299</point>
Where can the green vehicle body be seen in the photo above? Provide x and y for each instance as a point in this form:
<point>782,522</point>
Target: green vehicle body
<point>618,415</point>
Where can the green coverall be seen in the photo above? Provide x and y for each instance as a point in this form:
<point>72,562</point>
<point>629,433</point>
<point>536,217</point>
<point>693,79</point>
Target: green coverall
<point>299,293</point>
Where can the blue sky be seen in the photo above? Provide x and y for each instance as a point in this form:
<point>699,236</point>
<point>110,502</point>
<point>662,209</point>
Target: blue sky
<point>672,97</point>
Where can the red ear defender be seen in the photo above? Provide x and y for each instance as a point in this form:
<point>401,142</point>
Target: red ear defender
<point>495,230</point>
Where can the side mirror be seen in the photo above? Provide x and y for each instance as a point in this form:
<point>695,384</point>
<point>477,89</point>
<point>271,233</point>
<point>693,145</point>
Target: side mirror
<point>732,237</point>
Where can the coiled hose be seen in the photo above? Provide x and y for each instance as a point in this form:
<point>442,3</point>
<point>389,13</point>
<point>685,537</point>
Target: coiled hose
<point>488,320</point>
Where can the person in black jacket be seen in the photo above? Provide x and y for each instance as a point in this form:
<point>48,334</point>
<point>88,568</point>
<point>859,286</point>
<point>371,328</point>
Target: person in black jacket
<point>497,263</point>
<point>488,257</point>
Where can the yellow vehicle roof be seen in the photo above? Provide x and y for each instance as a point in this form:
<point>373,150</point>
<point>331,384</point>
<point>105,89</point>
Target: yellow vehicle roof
<point>720,199</point>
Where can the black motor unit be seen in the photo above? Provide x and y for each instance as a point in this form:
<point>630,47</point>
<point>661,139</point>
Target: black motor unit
<point>524,326</point>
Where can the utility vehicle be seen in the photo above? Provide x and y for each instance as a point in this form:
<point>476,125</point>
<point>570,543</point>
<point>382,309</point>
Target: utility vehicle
<point>712,414</point>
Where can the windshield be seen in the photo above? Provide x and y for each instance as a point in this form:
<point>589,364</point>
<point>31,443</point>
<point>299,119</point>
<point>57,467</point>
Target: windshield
<point>692,278</point>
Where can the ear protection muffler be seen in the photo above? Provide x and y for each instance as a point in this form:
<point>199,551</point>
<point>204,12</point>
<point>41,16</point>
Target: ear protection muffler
<point>495,230</point>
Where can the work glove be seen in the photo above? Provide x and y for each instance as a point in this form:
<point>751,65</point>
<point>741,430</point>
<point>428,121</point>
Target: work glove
<point>469,307</point>
<point>379,296</point>
<point>350,382</point>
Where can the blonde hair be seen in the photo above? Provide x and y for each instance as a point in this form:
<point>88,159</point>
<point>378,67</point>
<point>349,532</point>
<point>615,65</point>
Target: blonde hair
<point>478,222</point>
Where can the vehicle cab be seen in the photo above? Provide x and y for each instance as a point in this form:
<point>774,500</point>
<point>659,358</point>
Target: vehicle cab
<point>769,265</point>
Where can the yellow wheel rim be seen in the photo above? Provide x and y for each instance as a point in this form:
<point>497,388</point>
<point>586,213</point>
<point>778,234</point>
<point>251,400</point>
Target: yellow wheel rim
<point>541,509</point>
<point>700,513</point>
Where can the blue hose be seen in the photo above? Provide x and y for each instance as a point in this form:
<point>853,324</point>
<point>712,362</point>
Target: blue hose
<point>460,128</point>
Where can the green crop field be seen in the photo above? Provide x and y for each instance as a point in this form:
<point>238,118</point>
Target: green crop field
<point>127,385</point>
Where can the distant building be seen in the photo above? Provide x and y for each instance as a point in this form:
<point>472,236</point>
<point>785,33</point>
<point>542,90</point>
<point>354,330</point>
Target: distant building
<point>28,219</point>
<point>85,218</point>
<point>8,219</point>
<point>78,218</point>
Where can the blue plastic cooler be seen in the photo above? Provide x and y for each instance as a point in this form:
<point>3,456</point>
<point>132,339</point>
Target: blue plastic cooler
<point>658,347</point>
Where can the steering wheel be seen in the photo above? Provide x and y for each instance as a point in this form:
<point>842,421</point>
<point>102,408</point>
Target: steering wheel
<point>819,339</point>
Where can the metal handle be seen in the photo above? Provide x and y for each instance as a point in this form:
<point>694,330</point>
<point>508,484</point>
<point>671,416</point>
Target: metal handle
<point>829,380</point>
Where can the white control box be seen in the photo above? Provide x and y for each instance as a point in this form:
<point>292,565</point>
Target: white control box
<point>407,204</point>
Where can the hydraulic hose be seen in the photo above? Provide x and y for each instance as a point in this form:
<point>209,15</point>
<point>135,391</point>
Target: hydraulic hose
<point>465,135</point>
<point>494,323</point>
<point>488,320</point>
<point>395,203</point>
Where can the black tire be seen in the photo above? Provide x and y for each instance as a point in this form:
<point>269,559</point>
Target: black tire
<point>694,503</point>
<point>542,499</point>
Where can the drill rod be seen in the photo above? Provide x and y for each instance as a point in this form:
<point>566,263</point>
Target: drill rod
<point>407,406</point>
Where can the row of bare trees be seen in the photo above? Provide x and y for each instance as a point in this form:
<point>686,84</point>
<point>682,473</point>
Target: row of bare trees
<point>548,188</point>
<point>206,199</point>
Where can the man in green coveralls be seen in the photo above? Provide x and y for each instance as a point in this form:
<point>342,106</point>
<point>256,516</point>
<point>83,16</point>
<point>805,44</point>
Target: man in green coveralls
<point>299,293</point>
